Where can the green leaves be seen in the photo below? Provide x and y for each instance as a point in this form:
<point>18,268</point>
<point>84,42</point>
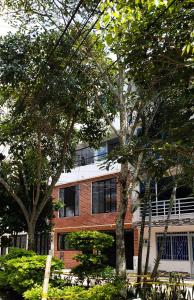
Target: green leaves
<point>89,240</point>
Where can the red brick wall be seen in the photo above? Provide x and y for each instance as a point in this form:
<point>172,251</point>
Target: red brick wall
<point>136,242</point>
<point>86,220</point>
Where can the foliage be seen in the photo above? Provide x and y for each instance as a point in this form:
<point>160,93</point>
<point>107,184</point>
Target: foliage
<point>89,240</point>
<point>92,262</point>
<point>105,292</point>
<point>24,272</point>
<point>174,289</point>
<point>41,116</point>
<point>3,280</point>
<point>16,253</point>
<point>11,217</point>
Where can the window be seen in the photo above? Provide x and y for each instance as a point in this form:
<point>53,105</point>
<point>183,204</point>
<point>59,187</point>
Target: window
<point>42,243</point>
<point>101,152</point>
<point>104,196</point>
<point>62,243</point>
<point>70,198</point>
<point>175,246</point>
<point>112,144</point>
<point>84,156</point>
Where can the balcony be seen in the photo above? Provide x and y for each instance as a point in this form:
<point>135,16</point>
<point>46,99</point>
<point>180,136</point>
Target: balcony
<point>182,208</point>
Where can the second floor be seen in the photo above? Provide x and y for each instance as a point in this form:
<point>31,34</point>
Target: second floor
<point>183,203</point>
<point>89,203</point>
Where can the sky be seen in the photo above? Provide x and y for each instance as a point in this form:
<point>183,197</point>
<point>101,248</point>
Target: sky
<point>4,27</point>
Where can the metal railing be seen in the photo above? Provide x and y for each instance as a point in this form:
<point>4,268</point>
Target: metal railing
<point>183,207</point>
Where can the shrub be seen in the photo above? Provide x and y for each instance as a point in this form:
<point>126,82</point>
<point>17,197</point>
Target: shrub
<point>3,280</point>
<point>91,243</point>
<point>14,253</point>
<point>104,292</point>
<point>26,271</point>
<point>108,291</point>
<point>68,293</point>
<point>89,240</point>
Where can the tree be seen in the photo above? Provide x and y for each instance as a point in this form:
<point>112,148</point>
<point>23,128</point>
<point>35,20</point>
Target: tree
<point>142,85</point>
<point>150,75</point>
<point>42,112</point>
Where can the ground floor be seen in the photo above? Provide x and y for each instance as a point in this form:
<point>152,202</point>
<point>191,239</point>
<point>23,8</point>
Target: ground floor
<point>64,252</point>
<point>178,254</point>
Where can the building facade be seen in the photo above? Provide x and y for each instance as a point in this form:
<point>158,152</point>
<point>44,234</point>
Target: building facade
<point>178,254</point>
<point>91,195</point>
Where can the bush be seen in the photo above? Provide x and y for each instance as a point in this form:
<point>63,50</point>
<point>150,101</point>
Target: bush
<point>105,292</point>
<point>89,240</point>
<point>3,281</point>
<point>68,293</point>
<point>14,253</point>
<point>92,262</point>
<point>24,272</point>
<point>108,291</point>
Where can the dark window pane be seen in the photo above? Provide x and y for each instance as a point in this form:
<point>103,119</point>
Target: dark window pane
<point>180,247</point>
<point>101,152</point>
<point>70,198</point>
<point>63,244</point>
<point>113,194</point>
<point>184,192</point>
<point>164,188</point>
<point>167,253</point>
<point>84,156</point>
<point>104,196</point>
<point>107,196</point>
<point>95,198</point>
<point>176,247</point>
<point>61,196</point>
<point>112,144</point>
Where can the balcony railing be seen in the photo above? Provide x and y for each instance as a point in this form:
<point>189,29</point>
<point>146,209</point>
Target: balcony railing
<point>181,208</point>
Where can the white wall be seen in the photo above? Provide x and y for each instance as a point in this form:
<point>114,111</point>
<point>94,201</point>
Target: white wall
<point>86,172</point>
<point>167,265</point>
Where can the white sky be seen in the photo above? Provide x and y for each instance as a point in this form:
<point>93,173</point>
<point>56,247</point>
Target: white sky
<point>4,27</point>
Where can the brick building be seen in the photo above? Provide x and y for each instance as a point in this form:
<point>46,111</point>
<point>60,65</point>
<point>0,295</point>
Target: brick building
<point>91,195</point>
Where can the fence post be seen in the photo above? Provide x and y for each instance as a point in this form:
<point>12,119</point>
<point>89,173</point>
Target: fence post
<point>48,269</point>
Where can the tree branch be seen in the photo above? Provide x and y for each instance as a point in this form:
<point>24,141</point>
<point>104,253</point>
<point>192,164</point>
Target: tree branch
<point>109,122</point>
<point>16,198</point>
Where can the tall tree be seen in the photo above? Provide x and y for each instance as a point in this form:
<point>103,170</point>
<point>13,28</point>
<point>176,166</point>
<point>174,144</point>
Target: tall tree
<point>146,42</point>
<point>43,114</point>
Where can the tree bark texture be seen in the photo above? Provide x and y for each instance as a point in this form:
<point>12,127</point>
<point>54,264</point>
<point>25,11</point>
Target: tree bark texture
<point>158,258</point>
<point>31,237</point>
<point>141,236</point>
<point>120,231</point>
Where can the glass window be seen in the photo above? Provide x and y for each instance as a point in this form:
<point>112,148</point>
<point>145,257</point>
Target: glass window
<point>101,152</point>
<point>84,156</point>
<point>43,243</point>
<point>62,243</point>
<point>104,196</point>
<point>70,198</point>
<point>175,247</point>
<point>112,144</point>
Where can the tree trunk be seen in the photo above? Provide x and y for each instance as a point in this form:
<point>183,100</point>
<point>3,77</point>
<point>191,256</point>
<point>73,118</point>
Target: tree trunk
<point>120,234</point>
<point>149,238</point>
<point>31,237</point>
<point>157,261</point>
<point>141,236</point>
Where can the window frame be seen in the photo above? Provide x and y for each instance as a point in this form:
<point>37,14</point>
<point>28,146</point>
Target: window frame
<point>112,196</point>
<point>69,248</point>
<point>173,247</point>
<point>62,211</point>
